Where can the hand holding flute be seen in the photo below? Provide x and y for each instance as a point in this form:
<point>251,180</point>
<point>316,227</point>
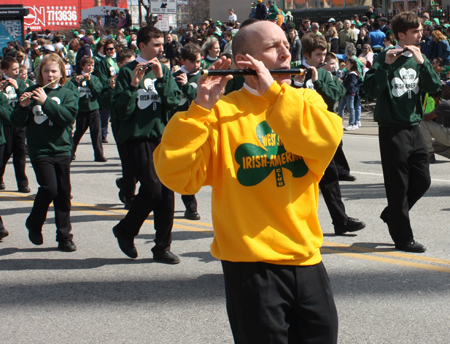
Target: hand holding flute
<point>38,94</point>
<point>141,69</point>
<point>393,54</point>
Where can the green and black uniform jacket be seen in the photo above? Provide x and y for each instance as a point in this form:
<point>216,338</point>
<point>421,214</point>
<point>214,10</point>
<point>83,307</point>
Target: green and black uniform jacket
<point>189,90</point>
<point>89,92</point>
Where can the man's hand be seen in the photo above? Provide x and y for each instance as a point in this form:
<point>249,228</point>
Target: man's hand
<point>156,67</point>
<point>112,81</point>
<point>315,74</point>
<point>263,78</point>
<point>182,79</point>
<point>13,82</point>
<point>211,88</point>
<point>138,74</point>
<point>416,52</point>
<point>390,58</point>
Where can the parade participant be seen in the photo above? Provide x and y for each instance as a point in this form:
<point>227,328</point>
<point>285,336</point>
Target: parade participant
<point>263,150</point>
<point>187,78</point>
<point>143,97</point>
<point>314,50</point>
<point>15,137</point>
<point>126,183</point>
<point>107,68</point>
<point>89,87</point>
<point>5,112</point>
<point>396,80</point>
<point>48,113</point>
<point>210,52</point>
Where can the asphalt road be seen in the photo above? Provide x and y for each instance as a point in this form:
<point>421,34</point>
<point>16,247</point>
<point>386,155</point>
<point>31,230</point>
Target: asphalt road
<point>97,295</point>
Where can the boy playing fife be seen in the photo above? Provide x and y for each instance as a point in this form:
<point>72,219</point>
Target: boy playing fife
<point>396,80</point>
<point>187,77</point>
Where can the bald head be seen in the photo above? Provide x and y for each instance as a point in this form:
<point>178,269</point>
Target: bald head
<point>251,36</point>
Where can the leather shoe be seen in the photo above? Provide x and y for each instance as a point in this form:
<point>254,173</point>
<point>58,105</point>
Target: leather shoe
<point>347,177</point>
<point>35,237</point>
<point>353,225</point>
<point>2,186</point>
<point>192,215</point>
<point>126,245</point>
<point>101,159</point>
<point>3,233</point>
<point>24,189</point>
<point>166,257</point>
<point>67,246</point>
<point>413,246</point>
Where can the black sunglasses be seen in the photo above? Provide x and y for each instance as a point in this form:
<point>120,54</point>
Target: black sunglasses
<point>108,49</point>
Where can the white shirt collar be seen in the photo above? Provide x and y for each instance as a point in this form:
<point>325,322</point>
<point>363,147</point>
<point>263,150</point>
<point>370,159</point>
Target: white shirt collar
<point>139,59</point>
<point>251,90</point>
<point>6,77</point>
<point>406,53</point>
<point>184,70</point>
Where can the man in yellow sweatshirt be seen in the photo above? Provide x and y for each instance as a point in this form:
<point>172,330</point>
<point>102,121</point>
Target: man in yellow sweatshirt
<point>263,149</point>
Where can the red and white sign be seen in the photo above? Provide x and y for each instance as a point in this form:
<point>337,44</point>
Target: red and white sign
<point>53,17</point>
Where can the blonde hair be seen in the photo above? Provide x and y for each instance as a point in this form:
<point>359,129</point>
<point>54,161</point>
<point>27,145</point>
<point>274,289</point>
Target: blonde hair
<point>49,58</point>
<point>438,36</point>
<point>208,45</point>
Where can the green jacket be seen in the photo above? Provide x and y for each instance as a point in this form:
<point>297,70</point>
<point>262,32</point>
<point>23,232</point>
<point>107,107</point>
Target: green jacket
<point>5,114</point>
<point>325,86</point>
<point>397,89</point>
<point>107,67</point>
<point>273,12</point>
<point>12,94</point>
<point>143,111</point>
<point>89,92</point>
<point>189,90</point>
<point>49,125</point>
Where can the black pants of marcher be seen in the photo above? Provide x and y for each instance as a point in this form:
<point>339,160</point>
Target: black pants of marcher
<point>104,119</point>
<point>89,120</point>
<point>341,161</point>
<point>406,173</point>
<point>152,196</point>
<point>279,304</point>
<point>331,192</point>
<point>53,177</point>
<point>15,146</point>
<point>128,181</point>
<point>190,202</point>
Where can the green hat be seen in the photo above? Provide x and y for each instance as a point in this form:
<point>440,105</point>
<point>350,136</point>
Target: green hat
<point>218,32</point>
<point>446,25</point>
<point>75,34</point>
<point>359,25</point>
<point>219,23</point>
<point>427,23</point>
<point>446,69</point>
<point>436,21</point>
<point>90,32</point>
<point>352,21</point>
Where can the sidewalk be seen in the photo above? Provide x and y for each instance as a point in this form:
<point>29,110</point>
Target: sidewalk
<point>368,126</point>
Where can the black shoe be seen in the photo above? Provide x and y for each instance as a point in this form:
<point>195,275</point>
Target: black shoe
<point>74,157</point>
<point>384,215</point>
<point>126,245</point>
<point>353,225</point>
<point>413,246</point>
<point>166,257</point>
<point>67,246</point>
<point>119,184</point>
<point>101,159</point>
<point>2,186</point>
<point>192,215</point>
<point>35,237</point>
<point>432,158</point>
<point>105,140</point>
<point>347,178</point>
<point>24,189</point>
<point>3,233</point>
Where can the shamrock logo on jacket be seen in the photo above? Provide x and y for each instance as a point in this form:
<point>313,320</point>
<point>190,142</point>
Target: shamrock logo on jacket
<point>148,95</point>
<point>257,163</point>
<point>408,82</point>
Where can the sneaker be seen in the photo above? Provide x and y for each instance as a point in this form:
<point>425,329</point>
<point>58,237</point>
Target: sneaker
<point>350,127</point>
<point>359,124</point>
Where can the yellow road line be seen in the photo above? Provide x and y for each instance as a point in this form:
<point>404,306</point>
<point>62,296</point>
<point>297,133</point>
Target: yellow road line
<point>387,260</point>
<point>330,247</point>
<point>391,254</point>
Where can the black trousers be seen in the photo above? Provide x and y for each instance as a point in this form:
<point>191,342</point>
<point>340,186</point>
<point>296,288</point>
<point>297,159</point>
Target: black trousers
<point>331,192</point>
<point>53,177</point>
<point>15,146</point>
<point>406,173</point>
<point>89,120</point>
<point>190,202</point>
<point>341,161</point>
<point>152,196</point>
<point>279,304</point>
<point>128,180</point>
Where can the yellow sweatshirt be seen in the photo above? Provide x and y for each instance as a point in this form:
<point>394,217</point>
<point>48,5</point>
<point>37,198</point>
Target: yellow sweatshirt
<point>263,157</point>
